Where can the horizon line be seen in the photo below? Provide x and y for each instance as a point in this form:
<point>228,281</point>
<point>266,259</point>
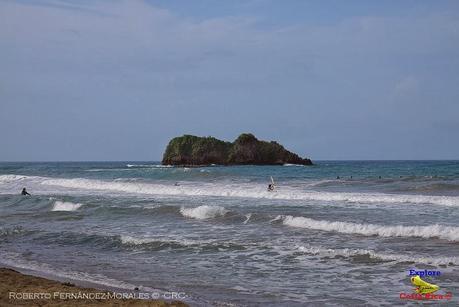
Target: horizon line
<point>159,161</point>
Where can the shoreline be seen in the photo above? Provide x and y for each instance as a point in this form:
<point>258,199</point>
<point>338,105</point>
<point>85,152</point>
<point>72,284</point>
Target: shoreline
<point>21,289</point>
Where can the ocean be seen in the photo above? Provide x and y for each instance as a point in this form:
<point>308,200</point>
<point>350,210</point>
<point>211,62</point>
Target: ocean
<point>335,233</point>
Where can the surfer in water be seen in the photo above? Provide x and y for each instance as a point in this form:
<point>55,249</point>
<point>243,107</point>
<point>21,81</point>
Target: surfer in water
<point>24,192</point>
<point>271,185</point>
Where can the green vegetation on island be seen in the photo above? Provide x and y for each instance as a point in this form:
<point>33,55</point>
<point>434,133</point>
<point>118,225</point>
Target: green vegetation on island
<point>192,150</point>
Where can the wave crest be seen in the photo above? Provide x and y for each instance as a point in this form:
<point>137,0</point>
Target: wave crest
<point>177,244</point>
<point>220,190</point>
<point>373,255</point>
<point>65,206</point>
<point>6,232</point>
<point>432,231</point>
<point>148,166</point>
<point>203,212</point>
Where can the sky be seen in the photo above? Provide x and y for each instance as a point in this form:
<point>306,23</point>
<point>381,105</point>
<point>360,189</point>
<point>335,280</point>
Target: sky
<point>116,80</point>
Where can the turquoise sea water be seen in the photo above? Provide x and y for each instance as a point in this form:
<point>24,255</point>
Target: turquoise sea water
<point>336,233</point>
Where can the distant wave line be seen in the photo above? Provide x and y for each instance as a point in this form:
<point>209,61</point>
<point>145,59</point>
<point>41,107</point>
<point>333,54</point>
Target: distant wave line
<point>228,190</point>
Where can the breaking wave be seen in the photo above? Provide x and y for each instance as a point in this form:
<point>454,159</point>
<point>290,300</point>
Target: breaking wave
<point>13,178</point>
<point>6,232</point>
<point>432,231</point>
<point>364,254</point>
<point>65,206</point>
<point>247,218</point>
<point>223,190</point>
<point>148,166</point>
<point>203,212</point>
<point>155,244</point>
<point>136,242</point>
<point>164,243</point>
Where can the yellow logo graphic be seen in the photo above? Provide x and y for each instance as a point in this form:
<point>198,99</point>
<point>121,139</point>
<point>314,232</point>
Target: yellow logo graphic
<point>422,286</point>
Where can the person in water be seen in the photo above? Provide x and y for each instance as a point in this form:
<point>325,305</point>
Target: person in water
<point>270,187</point>
<point>24,192</point>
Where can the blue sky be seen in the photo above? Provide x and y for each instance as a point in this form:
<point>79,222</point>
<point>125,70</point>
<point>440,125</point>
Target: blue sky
<point>115,80</point>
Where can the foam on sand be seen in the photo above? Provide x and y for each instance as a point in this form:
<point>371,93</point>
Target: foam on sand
<point>65,206</point>
<point>432,231</point>
<point>203,212</point>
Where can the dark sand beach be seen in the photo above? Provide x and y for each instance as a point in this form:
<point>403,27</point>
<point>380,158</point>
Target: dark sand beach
<point>17,289</point>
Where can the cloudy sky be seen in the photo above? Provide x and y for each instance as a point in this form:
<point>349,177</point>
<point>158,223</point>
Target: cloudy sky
<point>115,80</point>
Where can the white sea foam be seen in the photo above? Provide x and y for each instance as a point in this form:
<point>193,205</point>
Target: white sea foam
<point>130,240</point>
<point>243,190</point>
<point>11,231</point>
<point>106,170</point>
<point>136,241</point>
<point>65,206</point>
<point>247,218</point>
<point>203,212</point>
<point>432,231</point>
<point>346,252</point>
<point>13,178</point>
<point>206,189</point>
<point>277,218</point>
<point>148,165</point>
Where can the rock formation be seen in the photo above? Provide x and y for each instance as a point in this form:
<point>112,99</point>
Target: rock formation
<point>190,150</point>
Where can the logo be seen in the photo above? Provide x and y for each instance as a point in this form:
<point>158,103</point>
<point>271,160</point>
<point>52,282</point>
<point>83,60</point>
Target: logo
<point>424,290</point>
<point>424,273</point>
<point>423,287</point>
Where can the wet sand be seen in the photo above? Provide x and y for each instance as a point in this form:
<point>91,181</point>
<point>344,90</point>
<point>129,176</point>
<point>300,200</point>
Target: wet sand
<point>17,289</point>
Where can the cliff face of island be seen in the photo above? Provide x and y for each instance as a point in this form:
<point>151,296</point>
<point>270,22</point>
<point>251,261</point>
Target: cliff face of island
<point>192,150</point>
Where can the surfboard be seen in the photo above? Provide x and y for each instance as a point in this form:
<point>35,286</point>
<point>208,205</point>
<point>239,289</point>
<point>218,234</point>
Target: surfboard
<point>272,182</point>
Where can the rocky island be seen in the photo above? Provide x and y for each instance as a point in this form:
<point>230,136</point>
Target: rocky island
<point>190,150</point>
